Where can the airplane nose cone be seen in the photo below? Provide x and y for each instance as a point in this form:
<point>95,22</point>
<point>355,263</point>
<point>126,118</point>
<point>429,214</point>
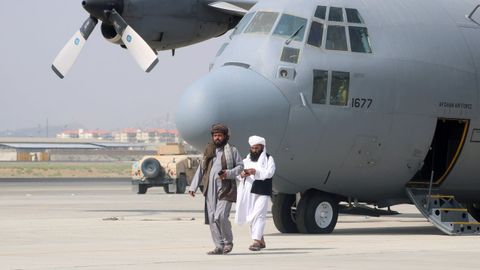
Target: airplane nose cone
<point>97,8</point>
<point>245,101</point>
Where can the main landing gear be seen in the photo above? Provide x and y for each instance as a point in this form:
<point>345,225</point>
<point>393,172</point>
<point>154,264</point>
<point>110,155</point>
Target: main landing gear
<point>316,212</point>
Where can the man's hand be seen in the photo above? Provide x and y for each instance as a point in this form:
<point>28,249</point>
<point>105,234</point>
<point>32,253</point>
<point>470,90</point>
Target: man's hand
<point>192,193</point>
<point>251,171</point>
<point>244,174</point>
<point>222,174</point>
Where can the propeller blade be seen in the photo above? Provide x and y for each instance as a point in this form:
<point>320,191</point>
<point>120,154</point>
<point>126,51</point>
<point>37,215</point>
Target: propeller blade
<point>67,56</point>
<point>142,53</point>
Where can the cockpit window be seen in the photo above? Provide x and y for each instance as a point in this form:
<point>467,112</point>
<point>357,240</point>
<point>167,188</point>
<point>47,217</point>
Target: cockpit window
<point>291,26</point>
<point>359,39</point>
<point>336,38</point>
<point>262,23</point>
<point>337,30</point>
<point>339,91</point>
<point>320,12</point>
<point>335,15</point>
<point>316,34</point>
<point>320,84</point>
<point>353,16</point>
<point>241,25</point>
<point>290,55</point>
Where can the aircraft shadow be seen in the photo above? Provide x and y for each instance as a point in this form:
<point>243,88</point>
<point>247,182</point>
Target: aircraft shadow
<point>266,252</point>
<point>417,230</point>
<point>145,211</point>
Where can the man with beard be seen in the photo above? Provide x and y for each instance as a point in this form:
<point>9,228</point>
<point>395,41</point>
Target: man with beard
<point>254,190</point>
<point>217,173</point>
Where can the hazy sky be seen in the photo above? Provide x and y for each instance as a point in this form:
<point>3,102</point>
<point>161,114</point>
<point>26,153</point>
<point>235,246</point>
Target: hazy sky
<point>104,89</point>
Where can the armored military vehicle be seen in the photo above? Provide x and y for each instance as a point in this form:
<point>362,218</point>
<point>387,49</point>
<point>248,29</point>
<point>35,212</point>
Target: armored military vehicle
<point>172,168</point>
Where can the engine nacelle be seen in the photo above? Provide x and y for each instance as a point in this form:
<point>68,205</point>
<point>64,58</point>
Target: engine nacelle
<point>109,33</point>
<point>170,24</point>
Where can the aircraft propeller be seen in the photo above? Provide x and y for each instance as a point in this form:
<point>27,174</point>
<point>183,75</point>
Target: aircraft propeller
<point>105,10</point>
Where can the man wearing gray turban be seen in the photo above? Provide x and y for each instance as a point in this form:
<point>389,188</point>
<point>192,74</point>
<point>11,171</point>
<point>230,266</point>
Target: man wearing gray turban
<point>221,164</point>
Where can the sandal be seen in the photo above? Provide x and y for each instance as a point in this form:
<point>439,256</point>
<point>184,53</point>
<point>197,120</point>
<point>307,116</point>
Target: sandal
<point>228,248</point>
<point>255,246</point>
<point>216,251</point>
<point>262,243</point>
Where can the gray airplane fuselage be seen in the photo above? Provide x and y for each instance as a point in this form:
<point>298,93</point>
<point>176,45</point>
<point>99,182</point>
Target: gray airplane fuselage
<point>423,71</point>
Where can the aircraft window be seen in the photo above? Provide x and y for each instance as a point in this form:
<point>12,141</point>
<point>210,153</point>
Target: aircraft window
<point>243,23</point>
<point>290,55</point>
<point>220,51</point>
<point>320,83</point>
<point>316,34</point>
<point>289,25</point>
<point>339,89</point>
<point>353,16</point>
<point>359,39</point>
<point>262,22</point>
<point>336,38</point>
<point>335,15</point>
<point>320,12</point>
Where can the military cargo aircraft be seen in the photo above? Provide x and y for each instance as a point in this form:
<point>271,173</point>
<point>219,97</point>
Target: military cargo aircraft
<point>363,103</point>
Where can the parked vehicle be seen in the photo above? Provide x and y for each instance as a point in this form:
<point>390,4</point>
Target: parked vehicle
<point>172,168</point>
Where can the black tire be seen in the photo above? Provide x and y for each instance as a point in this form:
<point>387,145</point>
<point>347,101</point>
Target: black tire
<point>151,168</point>
<point>474,210</point>
<point>283,213</point>
<point>167,190</point>
<point>317,213</point>
<point>181,184</point>
<point>142,188</point>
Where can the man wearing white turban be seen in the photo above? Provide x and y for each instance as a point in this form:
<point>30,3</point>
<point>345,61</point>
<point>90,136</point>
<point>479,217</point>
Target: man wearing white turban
<point>254,190</point>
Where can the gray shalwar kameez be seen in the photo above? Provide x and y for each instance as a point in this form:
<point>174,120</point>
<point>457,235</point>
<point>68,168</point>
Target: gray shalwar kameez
<point>218,210</point>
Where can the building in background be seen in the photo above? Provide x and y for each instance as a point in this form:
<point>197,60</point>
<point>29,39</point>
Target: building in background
<point>126,135</point>
<point>69,134</point>
<point>95,134</point>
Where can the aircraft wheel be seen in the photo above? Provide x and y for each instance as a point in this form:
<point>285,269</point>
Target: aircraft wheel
<point>181,184</point>
<point>474,210</point>
<point>317,212</point>
<point>283,212</point>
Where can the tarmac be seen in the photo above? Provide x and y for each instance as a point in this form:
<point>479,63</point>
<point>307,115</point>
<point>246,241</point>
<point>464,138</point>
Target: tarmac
<point>104,225</point>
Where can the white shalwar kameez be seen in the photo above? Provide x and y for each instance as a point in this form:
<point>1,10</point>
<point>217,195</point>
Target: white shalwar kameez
<point>252,208</point>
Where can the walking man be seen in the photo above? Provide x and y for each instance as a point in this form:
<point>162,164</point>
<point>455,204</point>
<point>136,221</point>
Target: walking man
<point>254,190</point>
<point>217,173</point>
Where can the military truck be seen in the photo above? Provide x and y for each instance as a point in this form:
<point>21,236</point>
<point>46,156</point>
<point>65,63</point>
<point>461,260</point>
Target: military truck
<point>172,168</point>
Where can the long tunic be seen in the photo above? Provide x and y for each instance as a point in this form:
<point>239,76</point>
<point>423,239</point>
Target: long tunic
<point>218,210</point>
<point>252,208</point>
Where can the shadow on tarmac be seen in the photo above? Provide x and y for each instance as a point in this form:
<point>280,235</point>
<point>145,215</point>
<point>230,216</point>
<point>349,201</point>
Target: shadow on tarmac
<point>149,211</point>
<point>417,230</point>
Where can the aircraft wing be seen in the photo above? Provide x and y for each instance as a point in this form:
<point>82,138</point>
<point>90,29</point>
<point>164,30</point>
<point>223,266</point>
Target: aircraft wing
<point>235,7</point>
